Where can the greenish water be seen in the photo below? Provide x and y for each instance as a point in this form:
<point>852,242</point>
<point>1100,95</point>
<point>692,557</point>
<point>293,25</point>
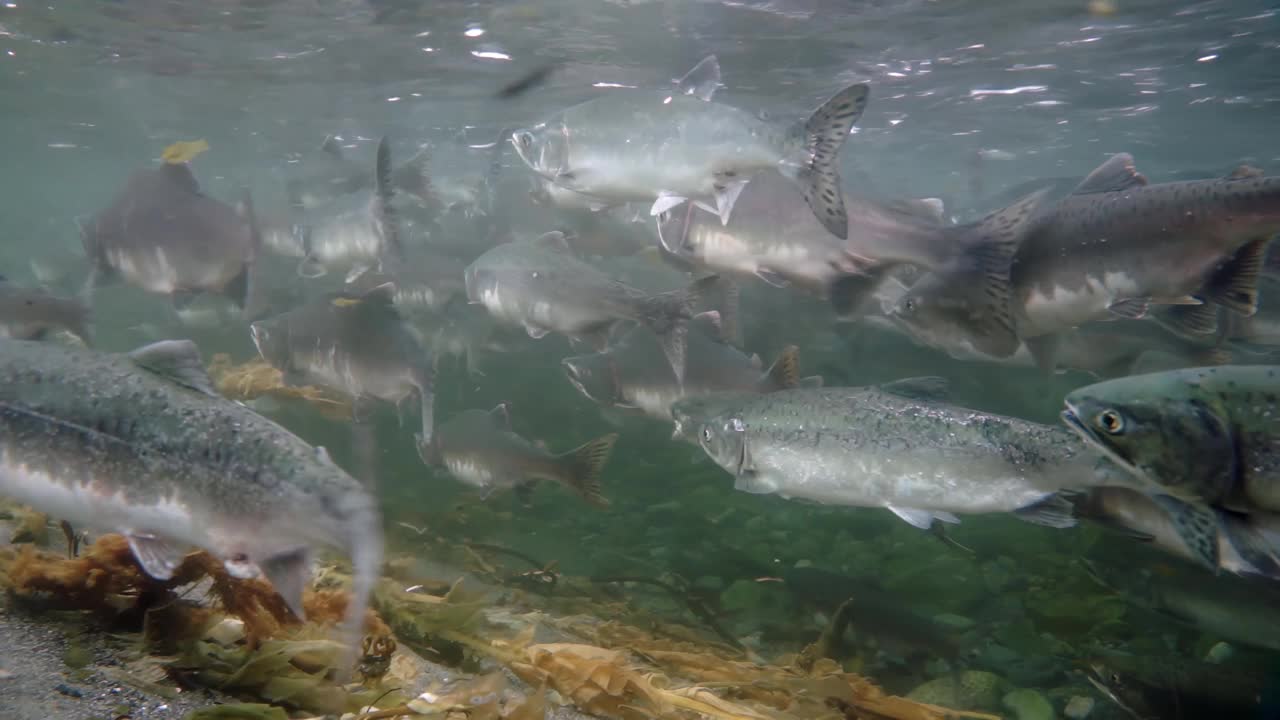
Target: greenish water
<point>969,101</point>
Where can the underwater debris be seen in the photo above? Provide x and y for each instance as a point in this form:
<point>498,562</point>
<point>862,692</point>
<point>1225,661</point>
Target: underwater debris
<point>375,657</point>
<point>255,379</point>
<point>691,601</point>
<point>32,527</point>
<point>183,151</point>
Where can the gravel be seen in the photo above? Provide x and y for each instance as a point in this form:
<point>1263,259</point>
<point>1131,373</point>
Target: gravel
<point>35,683</point>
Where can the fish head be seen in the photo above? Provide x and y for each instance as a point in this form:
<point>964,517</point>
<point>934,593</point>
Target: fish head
<point>594,376</point>
<point>1164,431</point>
<point>544,148</point>
<point>724,440</point>
<point>690,413</point>
<point>271,338</point>
<point>937,318</point>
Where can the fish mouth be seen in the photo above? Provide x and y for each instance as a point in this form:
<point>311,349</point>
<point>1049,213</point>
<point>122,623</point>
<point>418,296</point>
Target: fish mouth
<point>259,335</point>
<point>577,379</point>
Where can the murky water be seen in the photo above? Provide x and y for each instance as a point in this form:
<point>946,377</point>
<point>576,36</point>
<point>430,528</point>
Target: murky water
<point>971,105</point>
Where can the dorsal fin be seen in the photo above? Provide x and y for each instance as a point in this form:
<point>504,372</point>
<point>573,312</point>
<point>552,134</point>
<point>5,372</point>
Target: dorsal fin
<point>708,323</point>
<point>756,362</point>
<point>928,387</point>
<point>384,292</point>
<point>1243,172</point>
<point>332,146</point>
<point>784,374</point>
<point>323,455</point>
<point>176,360</point>
<point>500,416</point>
<point>554,240</point>
<point>1117,173</point>
<point>702,81</point>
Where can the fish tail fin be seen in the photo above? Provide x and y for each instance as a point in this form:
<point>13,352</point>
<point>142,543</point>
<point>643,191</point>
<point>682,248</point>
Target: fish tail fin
<point>427,404</point>
<point>384,212</point>
<point>784,374</point>
<point>668,315</point>
<point>243,290</point>
<point>582,467</point>
<point>821,137</point>
<point>366,548</point>
<point>413,177</point>
<point>1235,285</point>
<point>730,311</point>
<point>991,244</point>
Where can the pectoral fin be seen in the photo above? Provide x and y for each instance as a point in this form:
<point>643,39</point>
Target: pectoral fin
<point>157,556</point>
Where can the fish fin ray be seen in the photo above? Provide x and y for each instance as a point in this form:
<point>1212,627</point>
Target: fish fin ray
<point>289,572</point>
<point>384,211</point>
<point>772,278</point>
<point>1118,173</point>
<point>583,466</point>
<point>922,519</point>
<point>500,416</point>
<point>178,361</point>
<point>822,135</point>
<point>701,81</point>
<point>668,315</point>
<point>1053,511</point>
<point>726,197</point>
<point>1197,526</point>
<point>331,146</point>
<point>157,556</point>
<point>813,381</point>
<point>709,324</point>
<point>1130,308</point>
<point>926,387</point>
<point>1190,319</point>
<point>555,240</point>
<point>1234,286</point>
<point>413,177</point>
<point>784,374</point>
<point>666,201</point>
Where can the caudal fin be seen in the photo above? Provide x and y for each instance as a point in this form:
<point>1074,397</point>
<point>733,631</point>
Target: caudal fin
<point>365,547</point>
<point>245,290</point>
<point>384,212</point>
<point>822,136</point>
<point>668,315</point>
<point>582,467</point>
<point>984,283</point>
<point>413,179</point>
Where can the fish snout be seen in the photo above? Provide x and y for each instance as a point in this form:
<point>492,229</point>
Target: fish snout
<point>524,142</point>
<point>478,282</point>
<point>580,376</point>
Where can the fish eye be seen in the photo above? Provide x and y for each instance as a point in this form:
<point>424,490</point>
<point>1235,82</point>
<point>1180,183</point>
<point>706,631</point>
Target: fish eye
<point>909,305</point>
<point>523,138</point>
<point>706,434</point>
<point>1111,422</point>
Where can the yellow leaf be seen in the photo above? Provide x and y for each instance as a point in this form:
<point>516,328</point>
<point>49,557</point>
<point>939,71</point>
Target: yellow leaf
<point>185,151</point>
